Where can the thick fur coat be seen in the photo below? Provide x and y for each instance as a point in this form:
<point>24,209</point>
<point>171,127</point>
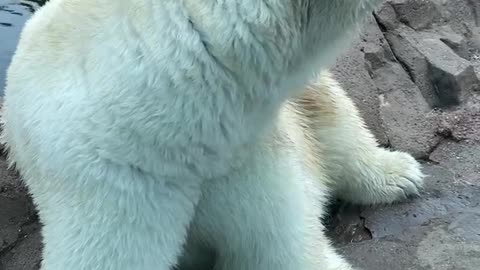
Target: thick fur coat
<point>175,133</point>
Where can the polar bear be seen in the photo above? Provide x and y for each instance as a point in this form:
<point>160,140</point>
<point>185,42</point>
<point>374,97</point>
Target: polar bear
<point>175,133</point>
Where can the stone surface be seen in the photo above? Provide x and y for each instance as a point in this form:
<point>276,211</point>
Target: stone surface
<point>452,77</point>
<point>25,255</point>
<point>435,44</point>
<point>458,43</point>
<point>409,123</point>
<point>404,46</point>
<point>439,230</point>
<point>417,14</point>
<point>18,223</point>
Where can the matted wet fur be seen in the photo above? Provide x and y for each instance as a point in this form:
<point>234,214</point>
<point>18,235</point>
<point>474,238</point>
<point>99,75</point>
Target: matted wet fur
<point>174,133</point>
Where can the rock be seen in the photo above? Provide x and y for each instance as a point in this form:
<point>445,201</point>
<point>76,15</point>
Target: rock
<point>452,77</point>
<point>387,17</point>
<point>409,123</point>
<point>461,15</point>
<point>458,43</point>
<point>345,224</point>
<point>475,4</point>
<point>404,45</point>
<point>443,77</point>
<point>26,255</point>
<point>417,14</point>
<point>474,40</point>
<point>16,207</point>
<point>377,54</point>
<point>461,159</point>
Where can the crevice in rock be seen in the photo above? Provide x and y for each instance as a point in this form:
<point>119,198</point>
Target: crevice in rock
<point>430,151</point>
<point>382,27</point>
<point>384,30</point>
<point>365,228</point>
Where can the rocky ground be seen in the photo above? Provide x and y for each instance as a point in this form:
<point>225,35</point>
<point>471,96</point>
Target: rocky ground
<point>414,74</point>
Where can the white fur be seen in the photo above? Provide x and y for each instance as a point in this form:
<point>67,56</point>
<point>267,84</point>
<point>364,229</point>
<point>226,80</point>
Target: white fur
<point>358,169</point>
<point>141,127</point>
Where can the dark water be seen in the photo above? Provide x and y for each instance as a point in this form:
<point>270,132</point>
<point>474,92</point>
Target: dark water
<point>13,14</point>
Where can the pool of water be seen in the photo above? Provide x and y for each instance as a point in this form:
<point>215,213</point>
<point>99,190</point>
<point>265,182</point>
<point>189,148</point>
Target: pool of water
<point>13,15</point>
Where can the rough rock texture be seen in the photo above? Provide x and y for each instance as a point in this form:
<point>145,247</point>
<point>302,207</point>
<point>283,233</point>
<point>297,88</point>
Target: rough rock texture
<point>19,228</point>
<point>422,64</point>
<point>414,74</point>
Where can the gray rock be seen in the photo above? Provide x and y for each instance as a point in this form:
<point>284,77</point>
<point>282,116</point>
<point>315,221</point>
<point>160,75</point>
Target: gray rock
<point>386,16</point>
<point>461,15</point>
<point>409,123</point>
<point>405,47</point>
<point>452,77</point>
<point>474,40</point>
<point>26,254</point>
<point>475,4</point>
<point>417,14</point>
<point>16,207</point>
<point>457,42</point>
<point>441,74</point>
<point>461,160</point>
